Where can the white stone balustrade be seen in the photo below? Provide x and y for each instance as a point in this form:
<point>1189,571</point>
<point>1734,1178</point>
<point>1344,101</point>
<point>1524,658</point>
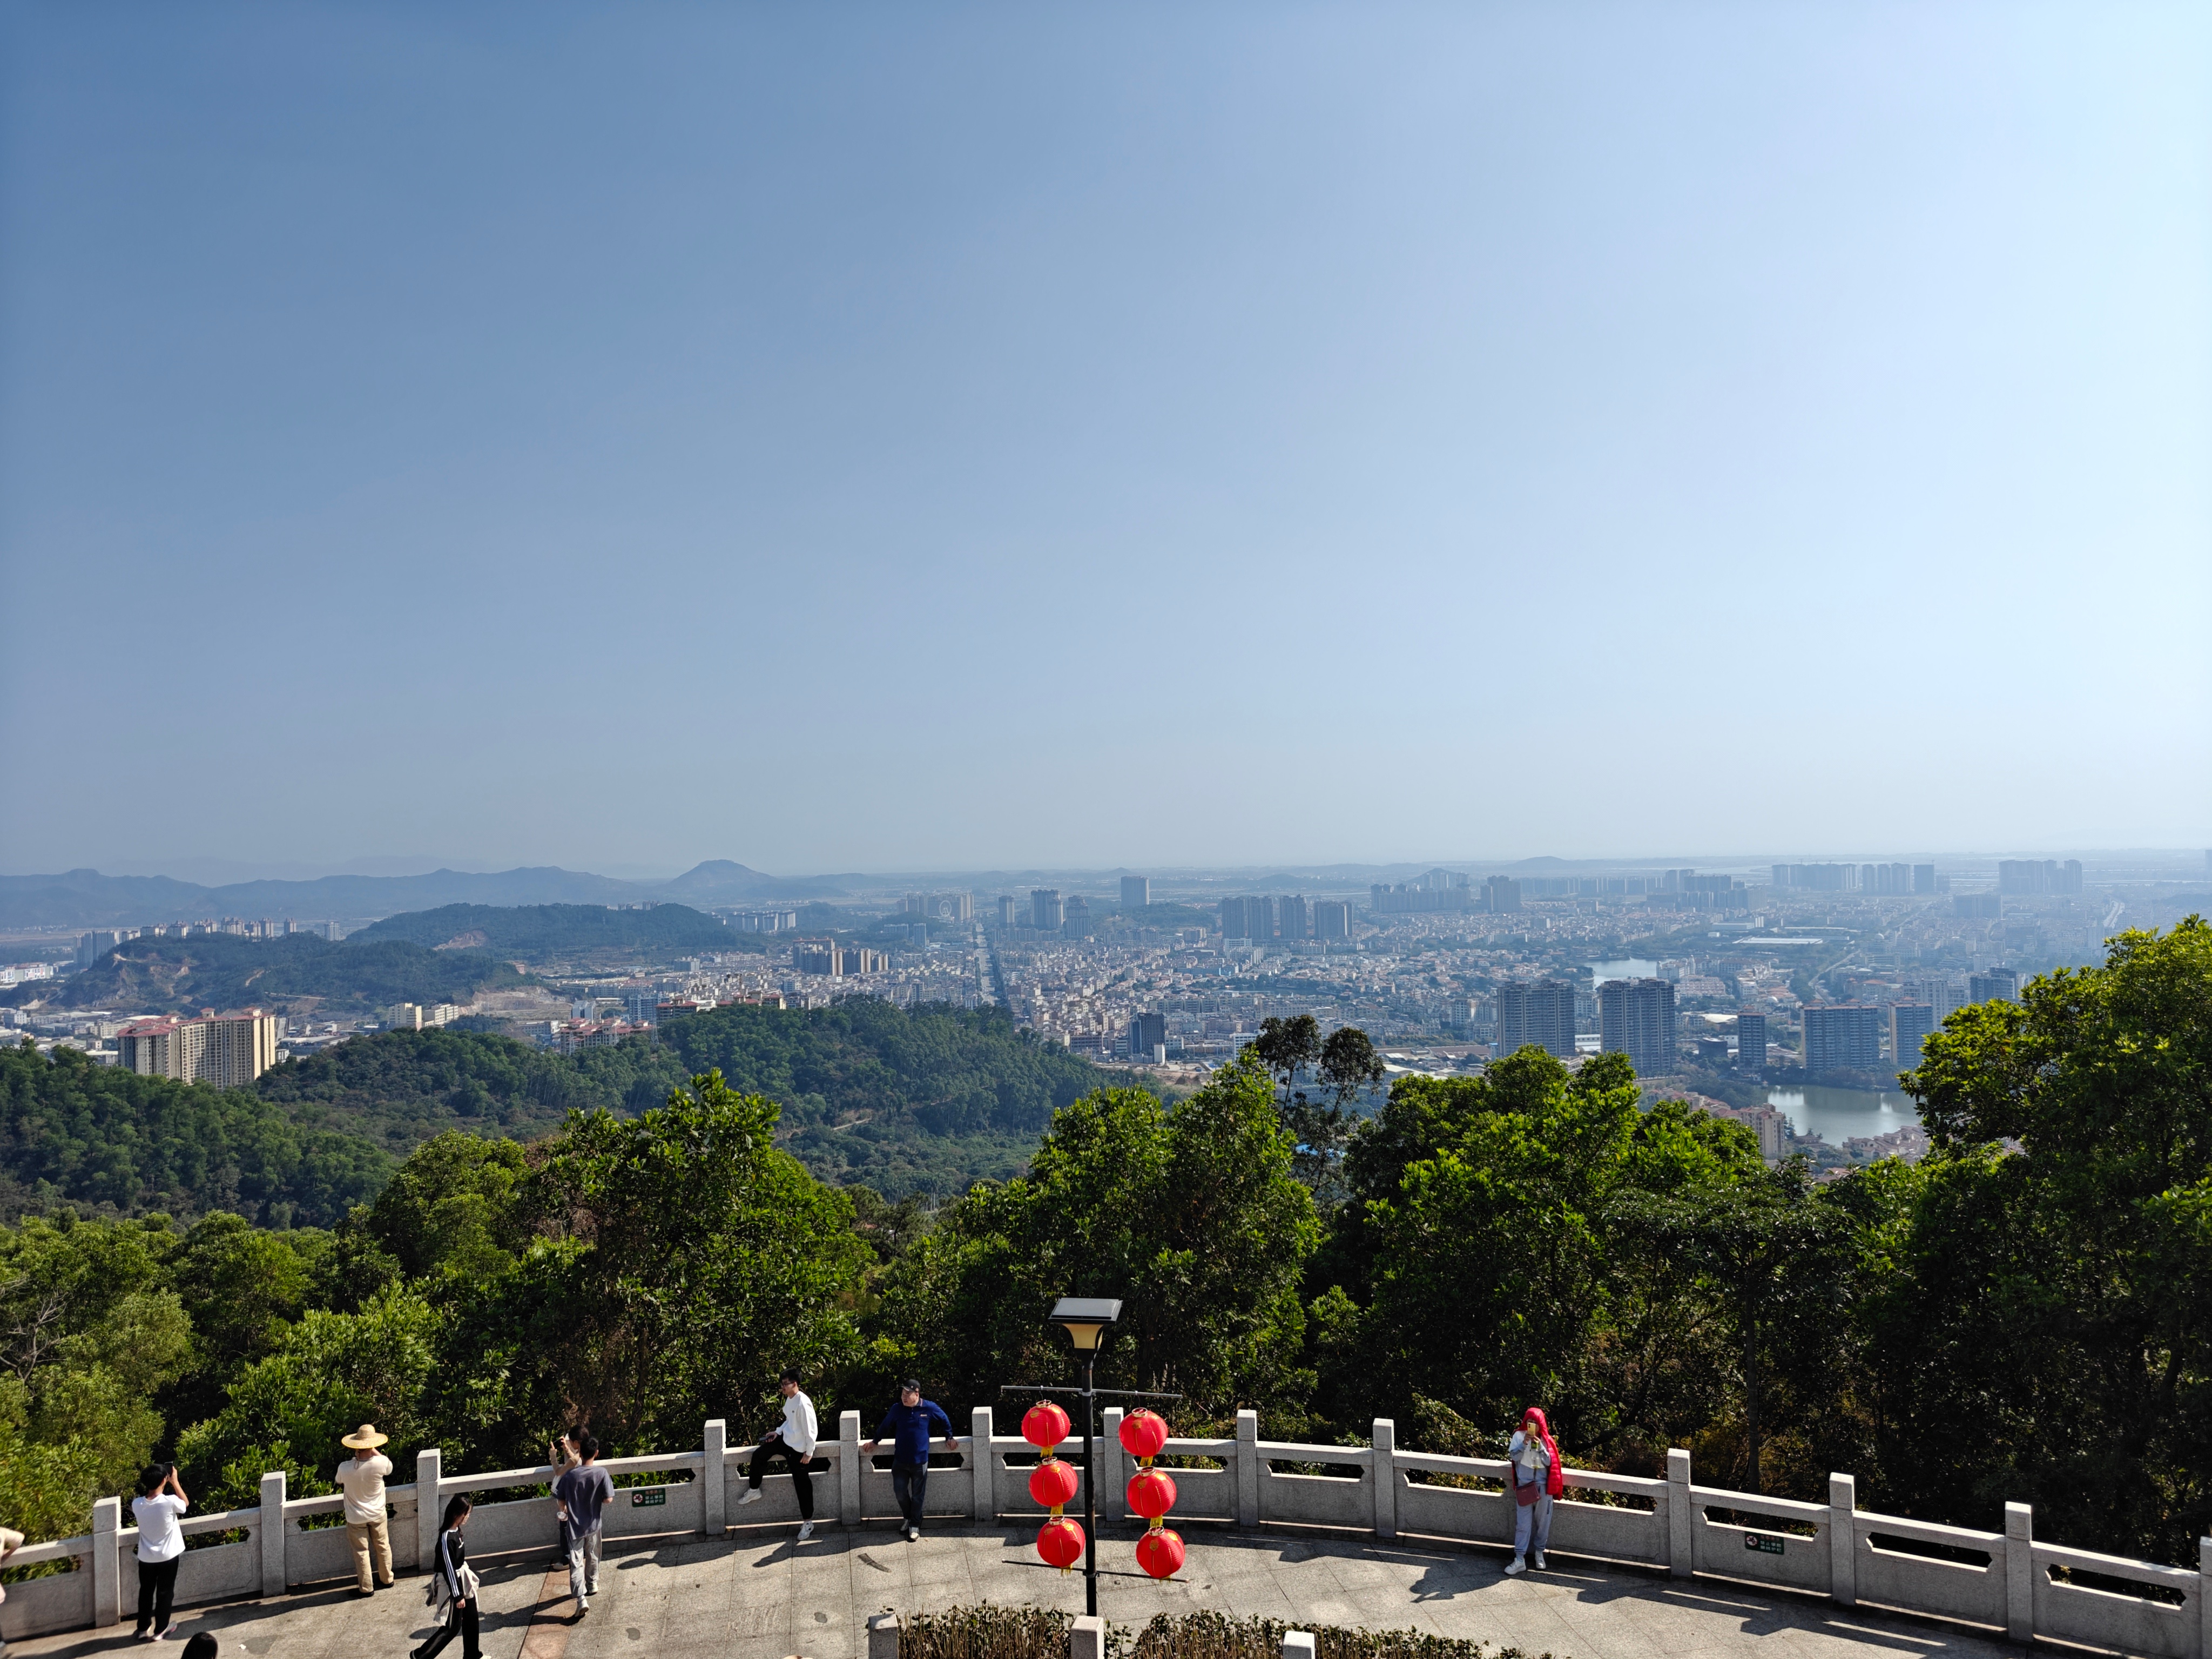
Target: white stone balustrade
<point>1995,1580</point>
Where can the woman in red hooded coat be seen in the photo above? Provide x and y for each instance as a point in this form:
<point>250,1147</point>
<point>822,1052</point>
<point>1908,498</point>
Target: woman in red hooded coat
<point>1533,1456</point>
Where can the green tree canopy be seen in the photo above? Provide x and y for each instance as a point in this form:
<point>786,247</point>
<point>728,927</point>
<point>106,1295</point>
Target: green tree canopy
<point>1190,1213</point>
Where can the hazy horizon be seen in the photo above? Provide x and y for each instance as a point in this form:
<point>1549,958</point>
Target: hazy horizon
<point>994,438</point>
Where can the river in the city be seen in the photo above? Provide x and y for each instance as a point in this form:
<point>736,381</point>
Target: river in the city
<point>1837,1115</point>
<point>1627,968</point>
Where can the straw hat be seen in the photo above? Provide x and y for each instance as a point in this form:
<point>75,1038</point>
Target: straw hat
<point>365,1439</point>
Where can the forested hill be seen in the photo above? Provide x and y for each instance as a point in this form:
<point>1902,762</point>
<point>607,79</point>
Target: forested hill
<point>401,1087</point>
<point>546,935</point>
<point>108,1141</point>
<point>931,1101</point>
<point>926,1101</point>
<point>225,970</point>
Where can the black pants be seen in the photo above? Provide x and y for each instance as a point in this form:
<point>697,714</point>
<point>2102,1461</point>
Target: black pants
<point>802,1482</point>
<point>157,1588</point>
<point>462,1621</point>
<point>910,1485</point>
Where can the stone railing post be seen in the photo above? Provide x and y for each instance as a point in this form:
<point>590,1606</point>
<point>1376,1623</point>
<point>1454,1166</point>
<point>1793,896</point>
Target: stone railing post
<point>848,1469</point>
<point>429,1504</point>
<point>1297,1644</point>
<point>2204,1599</point>
<point>713,1481</point>
<point>106,1562</point>
<point>1383,1467</point>
<point>1114,1472</point>
<point>1247,1468</point>
<point>983,1491</point>
<point>1843,1540</point>
<point>1681,1515</point>
<point>1086,1638</point>
<point>272,1533</point>
<point>883,1636</point>
<point>2020,1572</point>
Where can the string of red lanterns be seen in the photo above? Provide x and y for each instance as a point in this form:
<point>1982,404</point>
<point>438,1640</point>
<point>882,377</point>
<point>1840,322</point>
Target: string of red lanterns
<point>1052,1484</point>
<point>1151,1492</point>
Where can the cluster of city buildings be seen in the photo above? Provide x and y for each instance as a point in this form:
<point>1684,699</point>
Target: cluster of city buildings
<point>96,944</point>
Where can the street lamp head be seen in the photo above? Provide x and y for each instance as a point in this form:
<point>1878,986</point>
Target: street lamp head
<point>1086,1318</point>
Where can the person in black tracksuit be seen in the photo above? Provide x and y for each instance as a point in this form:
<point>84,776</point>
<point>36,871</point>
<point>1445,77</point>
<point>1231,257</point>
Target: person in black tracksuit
<point>453,1555</point>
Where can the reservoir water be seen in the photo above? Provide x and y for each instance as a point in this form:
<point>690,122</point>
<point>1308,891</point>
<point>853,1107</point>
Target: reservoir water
<point>1627,968</point>
<point>1837,1115</point>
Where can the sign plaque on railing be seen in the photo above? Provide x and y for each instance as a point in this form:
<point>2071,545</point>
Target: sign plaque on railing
<point>1766,1543</point>
<point>645,1500</point>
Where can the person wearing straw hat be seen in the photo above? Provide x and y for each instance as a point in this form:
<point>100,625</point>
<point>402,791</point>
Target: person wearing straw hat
<point>363,1479</point>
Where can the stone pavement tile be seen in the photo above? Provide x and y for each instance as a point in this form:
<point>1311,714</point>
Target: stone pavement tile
<point>937,1561</point>
<point>880,1568</point>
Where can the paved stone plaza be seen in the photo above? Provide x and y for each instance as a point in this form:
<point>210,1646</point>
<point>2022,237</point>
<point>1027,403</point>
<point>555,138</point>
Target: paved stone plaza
<point>761,1595</point>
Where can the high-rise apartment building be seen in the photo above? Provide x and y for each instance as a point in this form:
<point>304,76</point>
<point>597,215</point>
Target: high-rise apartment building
<point>818,956</point>
<point>1885,880</point>
<point>1136,892</point>
<point>1542,1013</point>
<point>1944,997</point>
<point>1010,910</point>
<point>2027,876</point>
<point>1501,895</point>
<point>1993,985</point>
<point>1247,918</point>
<point>1147,1032</point>
<point>1751,1043</point>
<point>1924,878</point>
<point>1047,914</point>
<point>91,947</point>
<point>228,1050</point>
<point>1076,923</point>
<point>1843,1036</point>
<point>1636,1018</point>
<point>1909,1023</point>
<point>1817,878</point>
<point>1332,919</point>
<point>1290,918</point>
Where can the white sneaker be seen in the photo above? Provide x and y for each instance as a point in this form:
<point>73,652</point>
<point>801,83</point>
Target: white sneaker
<point>805,1531</point>
<point>1540,1566</point>
<point>752,1496</point>
<point>1516,1565</point>
<point>583,1604</point>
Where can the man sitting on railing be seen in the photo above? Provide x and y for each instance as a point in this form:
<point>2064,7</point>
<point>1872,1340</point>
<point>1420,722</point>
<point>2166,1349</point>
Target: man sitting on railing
<point>908,1422</point>
<point>794,1441</point>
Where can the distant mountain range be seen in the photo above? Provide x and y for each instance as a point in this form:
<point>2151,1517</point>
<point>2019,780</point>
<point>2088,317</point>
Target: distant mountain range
<point>85,898</point>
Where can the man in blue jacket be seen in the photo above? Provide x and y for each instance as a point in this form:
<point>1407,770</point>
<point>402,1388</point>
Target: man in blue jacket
<point>907,1426</point>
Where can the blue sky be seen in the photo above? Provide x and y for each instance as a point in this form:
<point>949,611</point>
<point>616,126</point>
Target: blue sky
<point>941,437</point>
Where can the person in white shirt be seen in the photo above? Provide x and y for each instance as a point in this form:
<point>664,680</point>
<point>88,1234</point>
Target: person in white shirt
<point>159,1510</point>
<point>361,1478</point>
<point>793,1440</point>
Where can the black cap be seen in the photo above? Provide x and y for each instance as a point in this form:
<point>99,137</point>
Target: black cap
<point>912,1385</point>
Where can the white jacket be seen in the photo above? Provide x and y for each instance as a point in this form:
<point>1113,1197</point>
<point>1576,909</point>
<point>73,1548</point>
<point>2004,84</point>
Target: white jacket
<point>799,1431</point>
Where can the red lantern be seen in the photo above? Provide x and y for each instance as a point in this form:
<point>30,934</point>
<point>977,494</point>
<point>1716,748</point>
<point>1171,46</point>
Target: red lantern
<point>1053,1483</point>
<point>1160,1553</point>
<point>1060,1541</point>
<point>1152,1493</point>
<point>1044,1426</point>
<point>1143,1433</point>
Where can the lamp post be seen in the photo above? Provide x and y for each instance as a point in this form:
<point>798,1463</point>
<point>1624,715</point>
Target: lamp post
<point>1086,1318</point>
